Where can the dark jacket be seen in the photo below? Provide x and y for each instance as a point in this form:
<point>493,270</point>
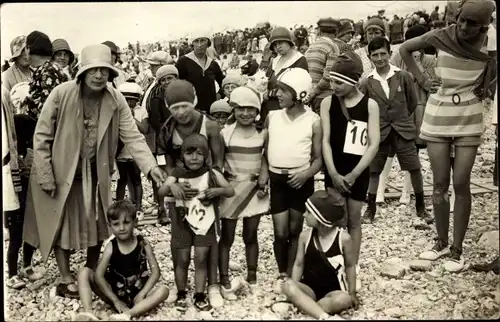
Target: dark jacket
<point>203,80</point>
<point>395,111</point>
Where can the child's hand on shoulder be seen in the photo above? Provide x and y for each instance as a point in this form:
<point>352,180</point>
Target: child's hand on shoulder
<point>177,191</point>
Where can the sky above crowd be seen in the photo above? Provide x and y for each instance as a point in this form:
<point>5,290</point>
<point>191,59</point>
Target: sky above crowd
<point>122,22</point>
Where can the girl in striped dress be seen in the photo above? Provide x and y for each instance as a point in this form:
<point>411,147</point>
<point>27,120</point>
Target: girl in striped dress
<point>454,116</point>
<point>246,170</point>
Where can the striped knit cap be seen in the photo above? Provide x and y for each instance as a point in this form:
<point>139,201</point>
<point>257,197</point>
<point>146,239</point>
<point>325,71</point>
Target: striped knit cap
<point>325,208</point>
<point>347,68</point>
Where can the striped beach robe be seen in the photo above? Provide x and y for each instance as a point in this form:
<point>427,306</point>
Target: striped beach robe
<point>242,163</point>
<point>455,110</point>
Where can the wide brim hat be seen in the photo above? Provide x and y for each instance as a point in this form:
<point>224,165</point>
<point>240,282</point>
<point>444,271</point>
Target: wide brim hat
<point>280,34</point>
<point>159,58</point>
<point>96,56</point>
<point>17,46</point>
<point>62,44</point>
<point>345,28</point>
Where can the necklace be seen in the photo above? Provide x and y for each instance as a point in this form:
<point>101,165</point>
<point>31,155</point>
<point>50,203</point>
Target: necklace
<point>88,115</point>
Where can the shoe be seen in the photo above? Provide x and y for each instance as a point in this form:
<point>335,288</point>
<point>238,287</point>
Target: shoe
<point>425,216</point>
<point>456,263</point>
<point>439,250</point>
<point>120,317</point>
<point>368,216</point>
<point>278,284</point>
<point>181,302</point>
<point>214,297</point>
<point>85,316</point>
<point>15,283</point>
<point>494,267</point>
<point>63,290</point>
<point>201,302</point>
<point>30,273</point>
<point>230,294</point>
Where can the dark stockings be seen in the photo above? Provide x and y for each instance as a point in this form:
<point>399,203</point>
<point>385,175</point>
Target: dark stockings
<point>130,175</point>
<point>287,228</point>
<point>228,229</point>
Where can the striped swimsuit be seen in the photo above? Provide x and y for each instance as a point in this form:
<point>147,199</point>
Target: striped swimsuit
<point>242,163</point>
<point>454,111</point>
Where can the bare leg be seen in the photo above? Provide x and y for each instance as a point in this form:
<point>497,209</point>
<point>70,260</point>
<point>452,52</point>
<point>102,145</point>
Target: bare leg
<point>354,224</point>
<point>152,300</point>
<point>62,259</point>
<point>335,302</point>
<point>383,179</point>
<point>280,223</point>
<point>85,278</point>
<point>294,291</point>
<point>296,221</point>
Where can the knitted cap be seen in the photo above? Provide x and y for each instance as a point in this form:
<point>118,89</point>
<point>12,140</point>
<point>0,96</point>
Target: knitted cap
<point>231,78</point>
<point>415,31</point>
<point>375,22</point>
<point>61,44</point>
<point>196,141</point>
<point>325,208</point>
<point>347,68</point>
<point>297,80</point>
<point>166,70</point>
<point>245,96</point>
<point>39,44</point>
<point>479,11</point>
<point>345,28</point>
<point>180,92</point>
<point>130,90</point>
<point>220,106</point>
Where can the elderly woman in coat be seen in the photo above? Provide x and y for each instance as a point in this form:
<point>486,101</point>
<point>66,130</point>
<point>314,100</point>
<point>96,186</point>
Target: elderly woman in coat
<point>74,145</point>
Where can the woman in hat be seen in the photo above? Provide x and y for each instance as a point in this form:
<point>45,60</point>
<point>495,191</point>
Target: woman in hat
<point>19,71</point>
<point>454,116</point>
<point>288,56</point>
<point>74,159</point>
<point>62,55</point>
<point>344,36</point>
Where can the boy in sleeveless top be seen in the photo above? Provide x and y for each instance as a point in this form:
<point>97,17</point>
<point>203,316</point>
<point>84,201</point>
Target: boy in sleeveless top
<point>394,91</point>
<point>122,278</point>
<point>195,221</point>
<point>293,152</point>
<point>323,280</point>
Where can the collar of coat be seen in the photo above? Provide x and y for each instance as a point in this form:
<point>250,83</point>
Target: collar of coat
<point>288,61</point>
<point>392,70</point>
<point>193,57</point>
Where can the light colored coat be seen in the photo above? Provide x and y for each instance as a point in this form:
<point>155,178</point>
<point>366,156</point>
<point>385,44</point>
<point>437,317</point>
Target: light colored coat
<point>57,144</point>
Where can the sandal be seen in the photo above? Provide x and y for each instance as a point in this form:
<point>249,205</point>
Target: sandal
<point>64,291</point>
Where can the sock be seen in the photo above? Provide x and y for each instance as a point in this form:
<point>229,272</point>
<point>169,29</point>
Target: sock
<point>419,201</point>
<point>181,293</point>
<point>372,205</point>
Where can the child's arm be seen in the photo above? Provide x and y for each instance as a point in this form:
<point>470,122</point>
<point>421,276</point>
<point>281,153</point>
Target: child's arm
<point>143,125</point>
<point>264,166</point>
<point>155,271</point>
<point>224,189</point>
<point>350,265</point>
<point>166,187</point>
<point>298,265</point>
<point>99,276</point>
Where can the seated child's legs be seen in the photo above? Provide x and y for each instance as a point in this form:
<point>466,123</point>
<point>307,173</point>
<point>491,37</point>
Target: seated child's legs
<point>153,299</point>
<point>296,221</point>
<point>335,302</point>
<point>303,297</point>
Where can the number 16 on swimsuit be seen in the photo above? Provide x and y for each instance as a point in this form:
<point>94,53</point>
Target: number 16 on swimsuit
<point>356,138</point>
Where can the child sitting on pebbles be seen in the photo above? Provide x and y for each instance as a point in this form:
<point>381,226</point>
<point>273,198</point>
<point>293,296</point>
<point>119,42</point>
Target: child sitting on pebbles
<point>325,255</point>
<point>122,278</point>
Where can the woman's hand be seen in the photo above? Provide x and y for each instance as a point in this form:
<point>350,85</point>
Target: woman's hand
<point>49,188</point>
<point>158,175</point>
<point>431,86</point>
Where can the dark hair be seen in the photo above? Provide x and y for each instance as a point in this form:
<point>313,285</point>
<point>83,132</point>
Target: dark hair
<point>377,43</point>
<point>39,44</point>
<point>117,208</point>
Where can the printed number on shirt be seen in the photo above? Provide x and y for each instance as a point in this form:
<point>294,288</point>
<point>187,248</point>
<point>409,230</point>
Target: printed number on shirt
<point>356,138</point>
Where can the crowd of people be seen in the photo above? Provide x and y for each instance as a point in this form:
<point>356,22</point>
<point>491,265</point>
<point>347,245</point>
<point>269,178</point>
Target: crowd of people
<point>220,145</point>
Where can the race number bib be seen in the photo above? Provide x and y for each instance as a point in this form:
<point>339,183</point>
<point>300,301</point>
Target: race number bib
<point>199,217</point>
<point>356,138</point>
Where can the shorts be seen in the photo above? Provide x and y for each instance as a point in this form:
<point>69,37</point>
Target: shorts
<point>457,141</point>
<point>284,197</point>
<point>183,236</point>
<point>358,189</point>
<point>406,151</point>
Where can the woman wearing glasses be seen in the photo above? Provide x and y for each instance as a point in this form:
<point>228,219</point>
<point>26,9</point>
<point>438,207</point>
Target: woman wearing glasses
<point>74,145</point>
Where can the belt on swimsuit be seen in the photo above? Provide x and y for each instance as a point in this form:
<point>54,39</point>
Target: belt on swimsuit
<point>288,170</point>
<point>240,177</point>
